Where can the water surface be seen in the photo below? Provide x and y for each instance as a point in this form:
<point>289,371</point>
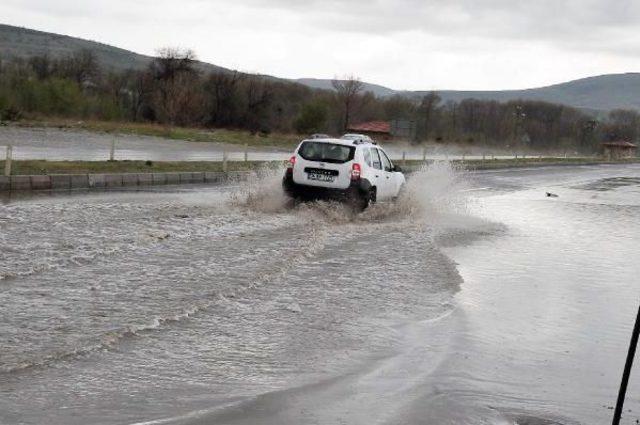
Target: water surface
<point>476,299</point>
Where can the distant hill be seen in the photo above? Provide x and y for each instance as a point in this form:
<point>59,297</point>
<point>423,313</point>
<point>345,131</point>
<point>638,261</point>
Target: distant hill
<point>600,93</point>
<point>25,43</point>
<point>604,92</point>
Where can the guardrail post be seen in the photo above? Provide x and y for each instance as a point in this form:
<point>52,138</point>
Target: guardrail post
<point>246,152</point>
<point>424,155</point>
<point>404,158</point>
<point>112,151</point>
<point>7,161</point>
<point>224,161</point>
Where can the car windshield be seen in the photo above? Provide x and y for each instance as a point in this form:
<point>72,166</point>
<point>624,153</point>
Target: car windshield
<point>326,152</point>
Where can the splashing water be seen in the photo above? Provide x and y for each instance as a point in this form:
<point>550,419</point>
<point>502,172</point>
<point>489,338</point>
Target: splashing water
<point>435,191</point>
<point>436,188</point>
<point>262,191</point>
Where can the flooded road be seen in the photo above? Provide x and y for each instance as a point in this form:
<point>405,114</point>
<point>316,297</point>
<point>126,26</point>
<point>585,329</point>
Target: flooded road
<point>475,299</point>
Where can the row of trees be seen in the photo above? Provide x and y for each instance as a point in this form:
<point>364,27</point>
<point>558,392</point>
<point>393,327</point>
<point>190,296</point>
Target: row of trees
<point>175,89</point>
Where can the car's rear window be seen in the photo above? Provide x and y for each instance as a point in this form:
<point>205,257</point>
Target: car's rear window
<point>326,152</point>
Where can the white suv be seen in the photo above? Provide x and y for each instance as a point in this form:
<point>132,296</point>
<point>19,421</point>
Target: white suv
<point>353,169</point>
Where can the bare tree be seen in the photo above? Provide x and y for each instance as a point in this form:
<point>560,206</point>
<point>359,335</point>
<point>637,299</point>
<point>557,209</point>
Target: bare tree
<point>428,106</point>
<point>42,66</point>
<point>259,96</point>
<point>171,61</point>
<point>220,90</point>
<point>348,91</point>
<point>142,91</point>
<point>81,66</point>
<point>622,124</point>
<point>176,80</point>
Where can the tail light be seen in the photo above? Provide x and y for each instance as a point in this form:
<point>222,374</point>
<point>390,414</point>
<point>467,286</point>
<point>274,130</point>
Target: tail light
<point>355,171</point>
<point>291,162</point>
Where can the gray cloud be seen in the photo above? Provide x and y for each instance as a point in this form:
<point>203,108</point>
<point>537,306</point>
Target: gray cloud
<point>599,26</point>
<point>554,20</point>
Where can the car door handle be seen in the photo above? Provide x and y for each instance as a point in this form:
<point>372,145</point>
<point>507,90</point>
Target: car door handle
<point>377,176</point>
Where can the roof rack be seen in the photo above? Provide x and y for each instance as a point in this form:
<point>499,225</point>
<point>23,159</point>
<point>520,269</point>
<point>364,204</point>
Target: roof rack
<point>358,139</point>
<point>319,136</point>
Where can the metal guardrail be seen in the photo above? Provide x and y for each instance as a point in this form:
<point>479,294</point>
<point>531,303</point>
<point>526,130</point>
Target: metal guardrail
<point>244,154</point>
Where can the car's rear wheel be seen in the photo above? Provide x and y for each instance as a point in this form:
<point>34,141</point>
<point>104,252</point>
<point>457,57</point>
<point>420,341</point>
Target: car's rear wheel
<point>362,200</point>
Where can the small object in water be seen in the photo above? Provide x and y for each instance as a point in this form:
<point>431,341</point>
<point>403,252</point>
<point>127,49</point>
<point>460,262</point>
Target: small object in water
<point>551,195</point>
<point>293,307</point>
<point>159,236</point>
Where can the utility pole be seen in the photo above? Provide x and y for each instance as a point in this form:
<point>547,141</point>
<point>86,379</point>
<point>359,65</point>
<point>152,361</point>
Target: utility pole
<point>627,370</point>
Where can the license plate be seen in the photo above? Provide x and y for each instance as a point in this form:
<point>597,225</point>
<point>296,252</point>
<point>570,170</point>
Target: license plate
<point>321,177</point>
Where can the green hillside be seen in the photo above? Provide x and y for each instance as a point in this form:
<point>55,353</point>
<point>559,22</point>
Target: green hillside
<point>603,92</point>
<point>600,93</point>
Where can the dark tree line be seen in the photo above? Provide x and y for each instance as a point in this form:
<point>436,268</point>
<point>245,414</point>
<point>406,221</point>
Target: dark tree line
<point>173,90</point>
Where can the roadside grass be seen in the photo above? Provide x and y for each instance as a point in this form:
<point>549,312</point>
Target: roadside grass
<point>497,163</point>
<point>41,167</point>
<point>234,137</point>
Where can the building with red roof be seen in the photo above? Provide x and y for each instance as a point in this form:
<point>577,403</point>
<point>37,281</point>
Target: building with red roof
<point>619,150</point>
<point>373,129</point>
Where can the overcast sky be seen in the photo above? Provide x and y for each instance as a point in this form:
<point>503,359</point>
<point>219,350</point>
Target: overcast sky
<point>402,44</point>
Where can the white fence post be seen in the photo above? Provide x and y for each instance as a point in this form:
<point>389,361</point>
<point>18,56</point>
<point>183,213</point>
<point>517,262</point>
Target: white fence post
<point>246,152</point>
<point>112,152</point>
<point>224,161</point>
<point>7,162</point>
